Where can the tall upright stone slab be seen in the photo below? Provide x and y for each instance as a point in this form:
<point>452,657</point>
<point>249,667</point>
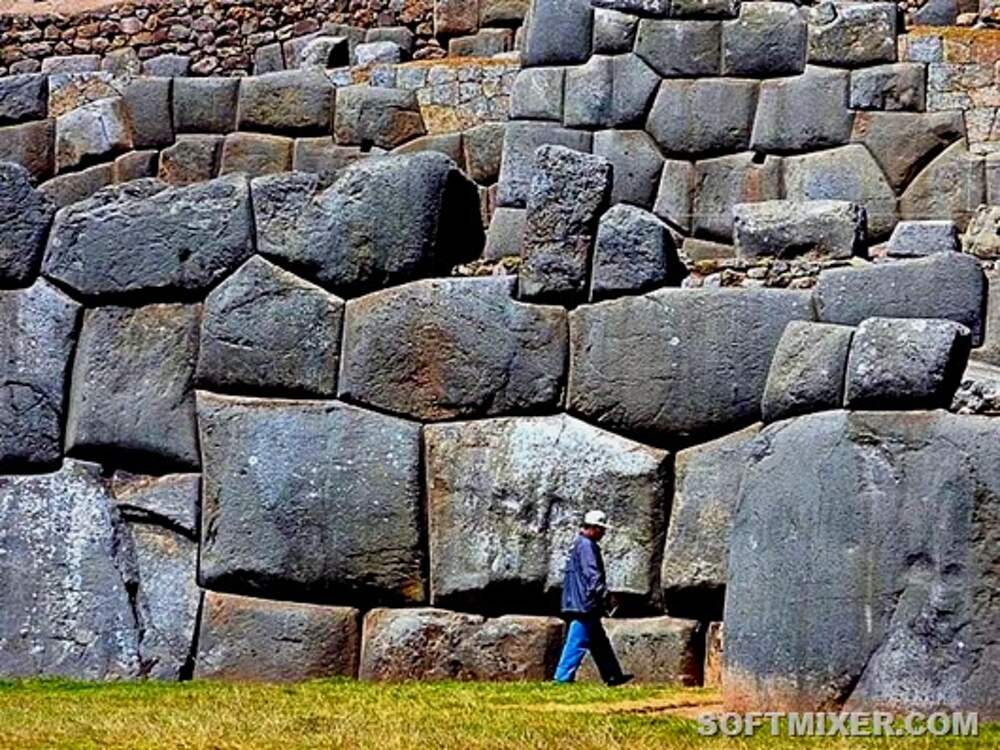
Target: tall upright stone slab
<point>27,215</point>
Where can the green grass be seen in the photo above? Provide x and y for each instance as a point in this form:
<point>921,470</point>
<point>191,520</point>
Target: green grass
<point>347,714</point>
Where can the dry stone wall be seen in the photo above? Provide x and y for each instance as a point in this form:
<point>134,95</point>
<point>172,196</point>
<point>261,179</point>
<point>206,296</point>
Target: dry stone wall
<point>279,406</point>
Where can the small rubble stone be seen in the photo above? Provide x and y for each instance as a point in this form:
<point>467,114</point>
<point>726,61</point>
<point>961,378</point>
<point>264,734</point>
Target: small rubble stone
<point>807,372</point>
<point>254,640</point>
<point>916,239</point>
<point>714,655</point>
<point>132,391</point>
<point>205,105</point>
<point>680,48</point>
<point>950,286</point>
<point>415,350</point>
<point>704,115</point>
<point>821,229</point>
<point>767,39</point>
<point>27,215</point>
<point>634,252</point>
<point>852,34</point>
<point>900,86</point>
<point>568,192</point>
<point>907,363</point>
<point>93,130</point>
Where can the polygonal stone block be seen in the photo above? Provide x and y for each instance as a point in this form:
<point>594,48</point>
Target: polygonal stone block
<point>704,115</point>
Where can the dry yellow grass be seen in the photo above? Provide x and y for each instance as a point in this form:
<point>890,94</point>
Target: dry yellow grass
<point>345,714</point>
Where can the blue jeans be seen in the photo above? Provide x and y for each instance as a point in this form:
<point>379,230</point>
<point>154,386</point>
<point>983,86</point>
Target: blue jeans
<point>587,634</point>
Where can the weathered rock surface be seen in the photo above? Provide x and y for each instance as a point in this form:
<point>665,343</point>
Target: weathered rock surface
<point>23,97</point>
<point>557,32</point>
<point>446,348</point>
<point>310,499</point>
<point>768,39</point>
<point>73,615</point>
<point>433,644</point>
<point>879,531</point>
<point>244,639</point>
<point>721,183</point>
<point>205,105</point>
<point>900,86</point>
<point>636,165</point>
<point>255,154</point>
<point>678,364</point>
<point>807,372</point>
<point>951,187</point>
<point>917,239</point>
<point>147,102</point>
<point>292,101</point>
<point>266,330</point>
<point>680,48</point>
<point>706,488</point>
<point>634,252</point>
<point>804,112</point>
<point>189,236</point>
<point>506,498</point>
<point>172,501</point>
<point>538,94</point>
<point>791,229</point>
<point>192,158</point>
<point>567,194</point>
<point>383,222</point>
<point>505,238</point>
<point>93,130</point>
<point>39,327</point>
<point>32,145</point>
<point>907,363</point>
<point>656,650</point>
<point>948,286</point>
<point>521,140</point>
<point>982,237</point>
<point>852,34</point>
<point>608,91</point>
<point>372,116</point>
<point>25,217</point>
<point>132,386</point>
<point>701,116</point>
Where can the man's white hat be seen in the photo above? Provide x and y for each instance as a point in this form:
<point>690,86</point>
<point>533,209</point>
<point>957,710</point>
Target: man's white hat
<point>596,518</point>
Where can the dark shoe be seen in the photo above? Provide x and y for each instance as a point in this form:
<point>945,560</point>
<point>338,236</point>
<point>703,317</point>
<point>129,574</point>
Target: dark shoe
<point>620,680</point>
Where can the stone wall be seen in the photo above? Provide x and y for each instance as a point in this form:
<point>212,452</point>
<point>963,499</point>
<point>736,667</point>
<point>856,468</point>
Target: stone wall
<point>326,422</point>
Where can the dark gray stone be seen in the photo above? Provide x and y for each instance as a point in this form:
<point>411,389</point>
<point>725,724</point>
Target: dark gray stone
<point>72,615</point>
<point>433,644</point>
<point>310,500</point>
<point>723,182</point>
<point>703,116</point>
<point>322,157</point>
<point>768,39</point>
<point>656,650</point>
<point>706,488</point>
<point>39,327</point>
<point>268,331</point>
<point>675,195</point>
<point>848,173</point>
<point>25,217</point>
<point>538,94</point>
<point>24,97</point>
<point>557,32</point>
<point>73,187</point>
<point>171,501</point>
<point>877,531</point>
<point>268,58</point>
<point>634,252</point>
<point>385,221</point>
<point>704,8</point>
<point>680,48</point>
<point>147,102</point>
<point>328,52</point>
<point>916,239</point>
<point>453,348</point>
<point>505,237</point>
<point>950,286</point>
<point>852,34</point>
<point>900,86</point>
<point>608,91</point>
<point>807,372</point>
<point>132,392</point>
<point>678,364</point>
<point>906,363</point>
<point>568,192</point>
<point>614,31</point>
<point>299,102</point>
<point>401,35</point>
<point>94,130</point>
<point>521,139</point>
<point>482,151</point>
<point>803,113</point>
<point>936,13</point>
<point>253,640</point>
<point>205,105</point>
<point>952,187</point>
<point>371,116</point>
<point>190,237</point>
<point>636,165</point>
<point>520,487</point>
<point>641,7</point>
<point>789,229</point>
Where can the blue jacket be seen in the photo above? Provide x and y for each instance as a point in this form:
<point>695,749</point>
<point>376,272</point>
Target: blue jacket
<point>584,585</point>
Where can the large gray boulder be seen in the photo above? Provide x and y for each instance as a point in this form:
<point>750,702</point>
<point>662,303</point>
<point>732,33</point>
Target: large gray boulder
<point>447,348</point>
<point>822,229</point>
<point>506,498</point>
<point>656,650</point>
<point>768,39</point>
<point>314,500</point>
<point>678,364</point>
<point>567,194</point>
<point>254,640</point>
<point>147,103</point>
<point>608,92</point>
<point>266,330</point>
<point>145,237</point>
<point>25,217</point>
<point>538,94</point>
<point>908,363</point>
<point>804,112</point>
<point>807,372</point>
<point>383,222</point>
<point>951,286</point>
<point>706,488</point>
<point>290,101</point>
<point>634,252</point>
<point>680,48</point>
<point>849,34</point>
<point>521,140</point>
<point>94,130</point>
<point>132,392</point>
<point>66,577</point>
<point>696,117</point>
<point>557,32</point>
<point>38,329</point>
<point>434,644</point>
<point>862,571</point>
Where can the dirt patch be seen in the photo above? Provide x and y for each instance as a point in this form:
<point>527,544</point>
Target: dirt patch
<point>61,7</point>
<point>687,708</point>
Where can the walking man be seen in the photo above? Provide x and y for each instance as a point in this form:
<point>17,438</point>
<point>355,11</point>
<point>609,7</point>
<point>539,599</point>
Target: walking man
<point>584,597</point>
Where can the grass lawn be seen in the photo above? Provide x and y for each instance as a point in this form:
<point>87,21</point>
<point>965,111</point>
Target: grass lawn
<point>347,714</point>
